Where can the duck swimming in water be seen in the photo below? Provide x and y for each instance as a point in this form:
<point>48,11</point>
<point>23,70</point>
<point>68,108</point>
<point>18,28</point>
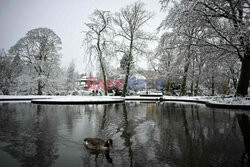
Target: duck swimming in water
<point>98,144</point>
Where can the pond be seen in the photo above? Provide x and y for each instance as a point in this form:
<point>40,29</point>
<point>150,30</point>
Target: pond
<point>144,134</point>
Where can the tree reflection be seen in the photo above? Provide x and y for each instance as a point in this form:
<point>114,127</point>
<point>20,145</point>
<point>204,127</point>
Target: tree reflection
<point>244,124</point>
<point>9,126</point>
<point>126,135</point>
<point>174,134</point>
<point>101,114</point>
<point>33,146</point>
<point>96,154</point>
<point>104,117</point>
<point>69,117</point>
<point>192,137</point>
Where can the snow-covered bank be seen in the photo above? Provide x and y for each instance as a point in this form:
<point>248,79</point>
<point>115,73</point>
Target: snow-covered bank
<point>210,101</point>
<point>147,98</point>
<point>79,100</point>
<point>29,97</point>
<point>214,101</point>
<point>64,99</point>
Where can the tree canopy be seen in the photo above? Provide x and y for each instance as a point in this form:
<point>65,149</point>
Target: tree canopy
<point>39,49</point>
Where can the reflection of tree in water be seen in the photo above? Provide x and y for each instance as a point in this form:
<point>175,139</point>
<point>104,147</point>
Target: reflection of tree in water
<point>112,123</point>
<point>140,133</point>
<point>168,133</point>
<point>104,117</point>
<point>196,136</point>
<point>244,123</point>
<point>97,158</point>
<point>9,126</point>
<point>34,146</point>
<point>126,135</point>
<point>69,118</point>
<point>100,115</point>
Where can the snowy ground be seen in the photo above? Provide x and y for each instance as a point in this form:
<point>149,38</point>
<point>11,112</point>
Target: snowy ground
<point>211,101</point>
<point>80,99</point>
<point>141,98</point>
<point>214,101</point>
<point>29,97</point>
<point>64,99</point>
<point>228,101</point>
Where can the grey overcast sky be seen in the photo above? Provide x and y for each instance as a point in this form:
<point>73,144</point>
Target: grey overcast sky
<point>65,17</point>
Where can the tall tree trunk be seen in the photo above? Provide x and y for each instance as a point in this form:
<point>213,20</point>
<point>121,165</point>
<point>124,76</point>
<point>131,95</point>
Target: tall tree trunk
<point>184,81</point>
<point>39,87</point>
<point>235,83</point>
<point>192,87</point>
<point>212,84</point>
<point>228,86</point>
<point>105,84</point>
<point>102,65</point>
<point>196,87</point>
<point>124,91</point>
<point>244,77</point>
<point>192,79</point>
<point>168,86</point>
<point>197,82</point>
<point>104,78</point>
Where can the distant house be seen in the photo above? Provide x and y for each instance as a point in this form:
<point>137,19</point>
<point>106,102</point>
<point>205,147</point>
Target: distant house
<point>88,83</point>
<point>83,82</point>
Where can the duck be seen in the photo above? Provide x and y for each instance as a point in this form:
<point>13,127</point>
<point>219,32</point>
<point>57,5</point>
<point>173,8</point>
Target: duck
<point>98,144</point>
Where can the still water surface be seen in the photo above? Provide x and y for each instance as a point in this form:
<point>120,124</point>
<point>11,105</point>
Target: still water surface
<point>144,134</point>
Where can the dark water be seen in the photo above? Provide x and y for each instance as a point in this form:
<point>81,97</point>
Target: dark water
<point>144,134</point>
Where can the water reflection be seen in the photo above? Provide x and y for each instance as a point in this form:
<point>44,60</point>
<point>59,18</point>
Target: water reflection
<point>126,135</point>
<point>244,124</point>
<point>144,134</point>
<point>34,145</point>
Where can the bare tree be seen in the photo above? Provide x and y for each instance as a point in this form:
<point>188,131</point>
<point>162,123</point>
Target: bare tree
<point>225,25</point>
<point>130,21</point>
<point>183,28</point>
<point>95,38</point>
<point>236,14</point>
<point>39,48</point>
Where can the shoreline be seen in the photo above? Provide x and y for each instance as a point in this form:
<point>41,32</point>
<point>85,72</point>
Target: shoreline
<point>209,101</point>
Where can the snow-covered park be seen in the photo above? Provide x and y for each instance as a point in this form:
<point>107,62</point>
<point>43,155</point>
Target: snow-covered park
<point>172,78</point>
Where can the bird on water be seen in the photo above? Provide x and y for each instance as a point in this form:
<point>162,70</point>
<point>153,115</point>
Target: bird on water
<point>98,144</point>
